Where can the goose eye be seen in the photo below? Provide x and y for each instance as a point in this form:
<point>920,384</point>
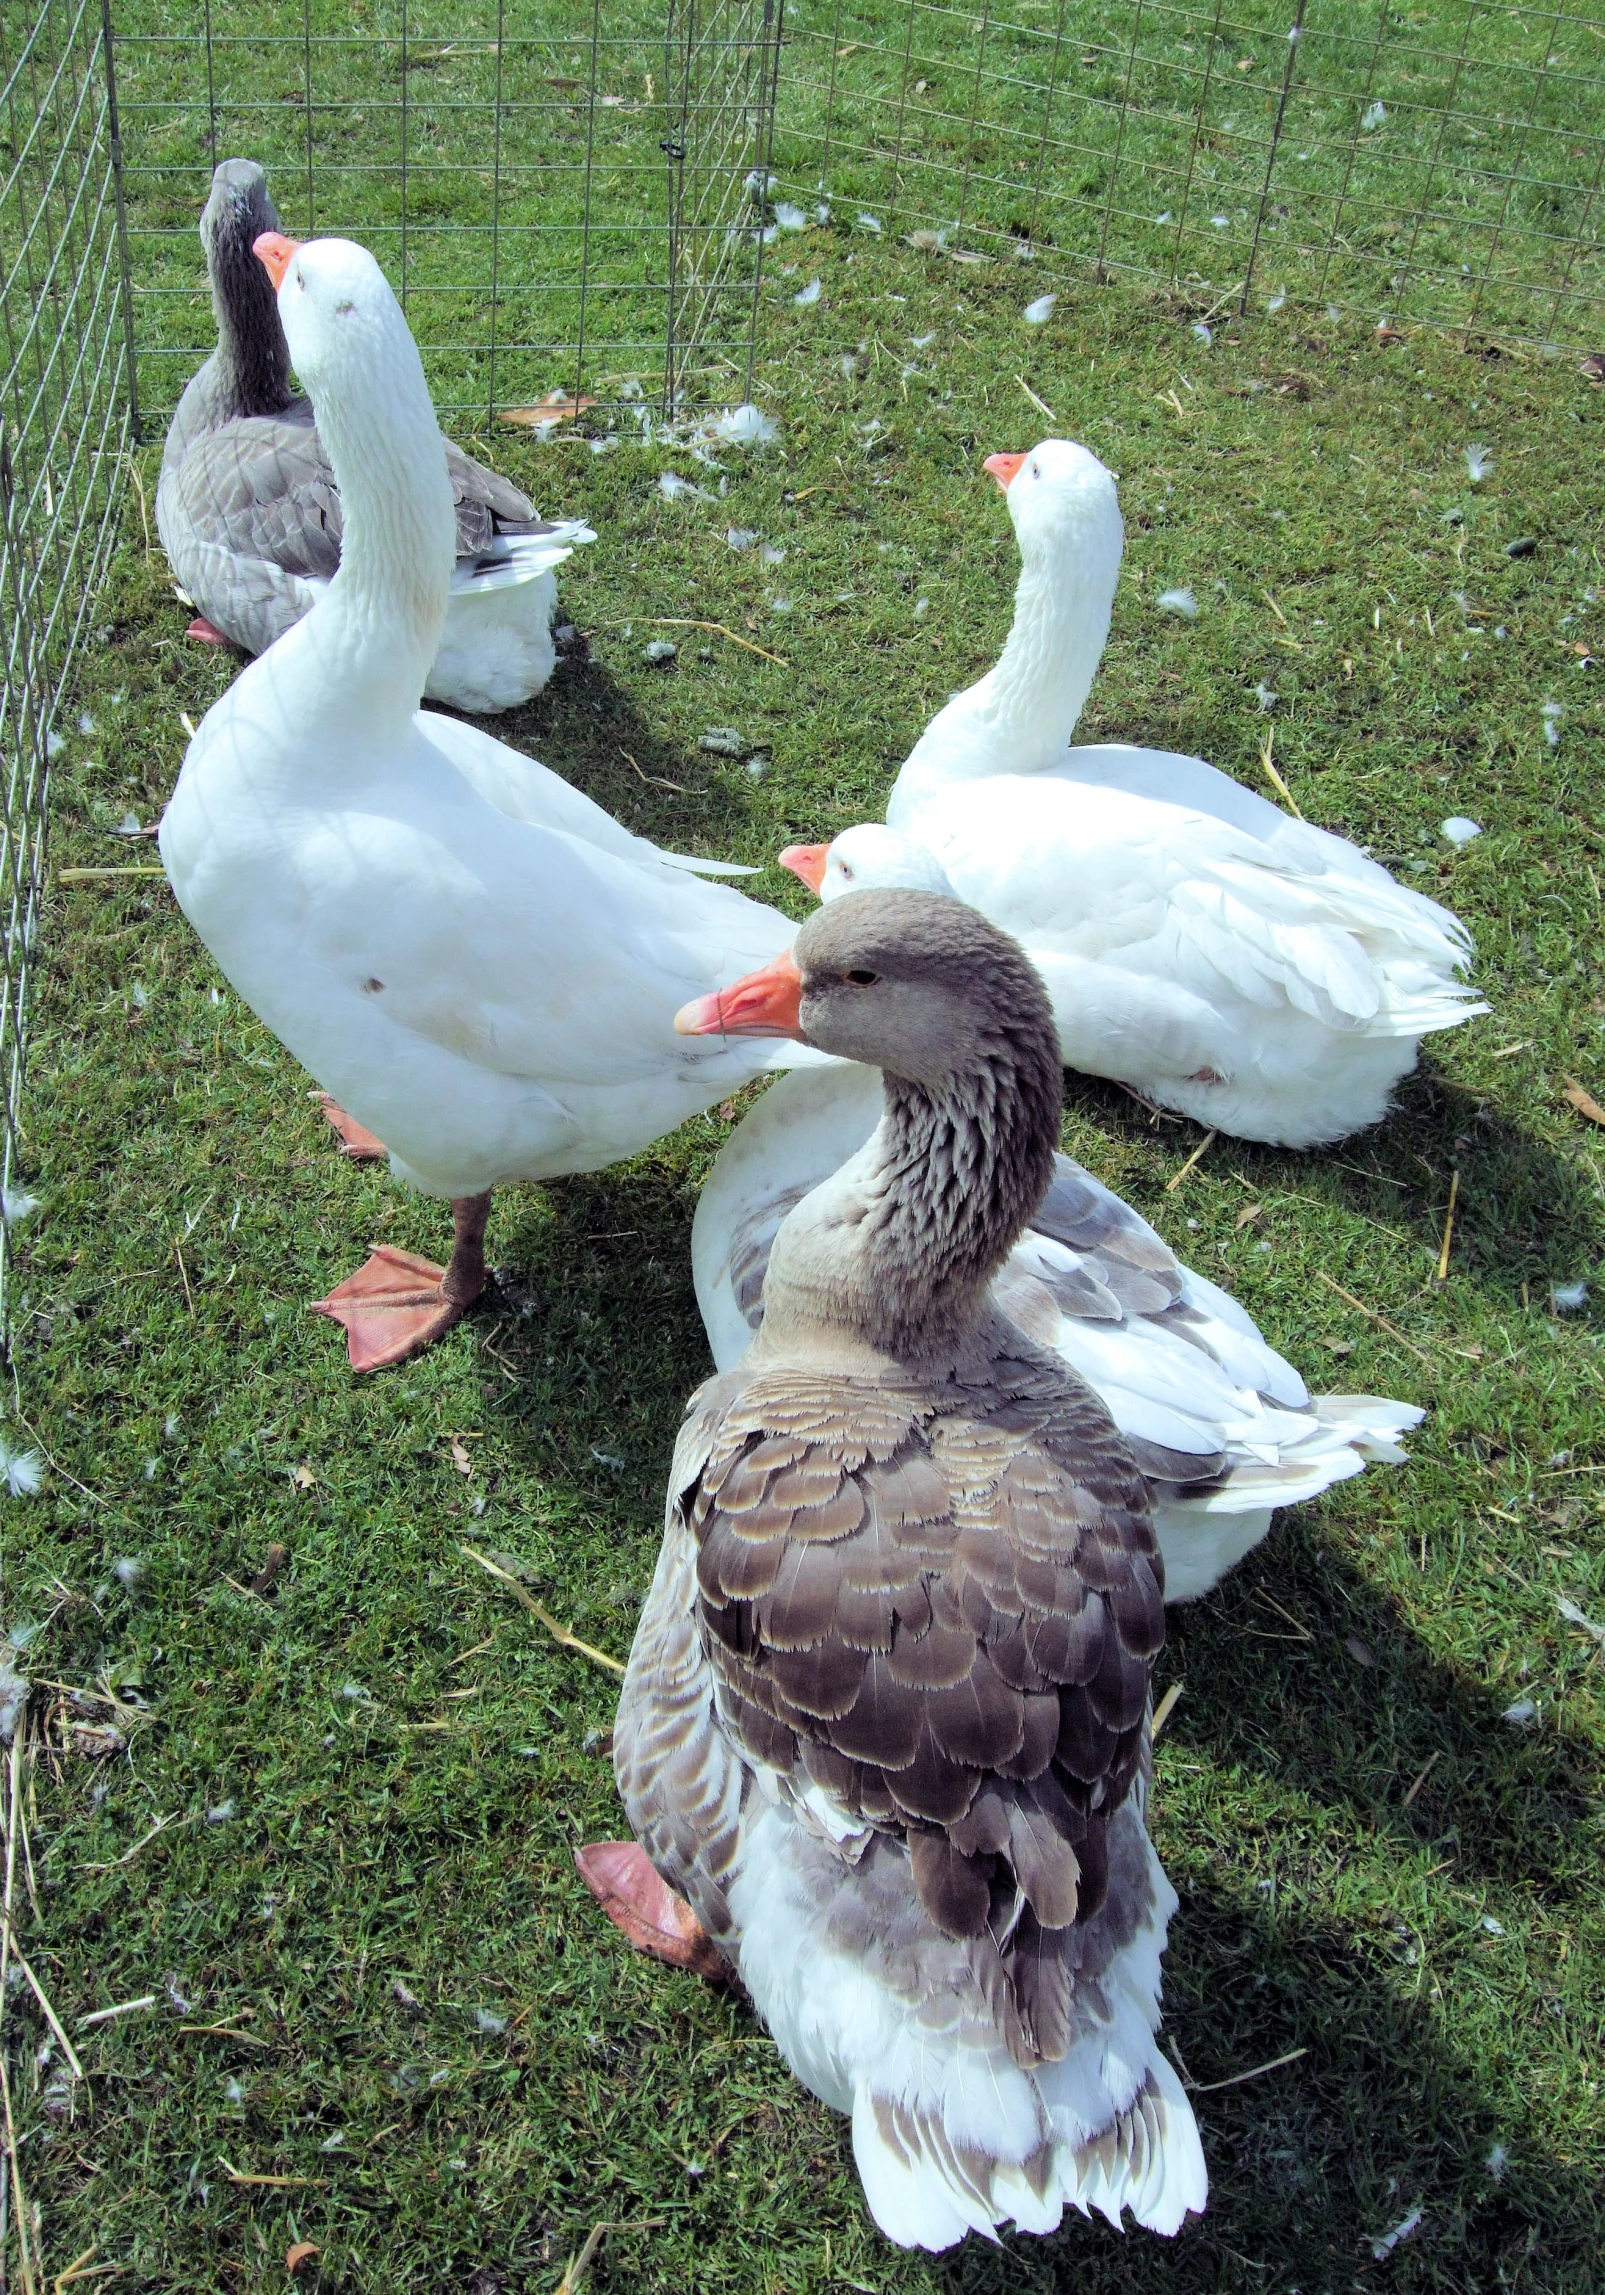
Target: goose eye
<point>860,977</point>
<point>845,868</point>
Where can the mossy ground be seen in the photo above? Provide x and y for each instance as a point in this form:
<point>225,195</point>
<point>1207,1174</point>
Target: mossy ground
<point>372,1779</point>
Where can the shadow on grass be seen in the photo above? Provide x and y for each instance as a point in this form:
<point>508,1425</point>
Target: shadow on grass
<point>1312,2163</point>
<point>1301,1668</point>
<point>1524,1213</point>
<point>589,727</point>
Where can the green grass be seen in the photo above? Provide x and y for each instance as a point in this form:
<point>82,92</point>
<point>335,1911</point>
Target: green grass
<point>397,1859</point>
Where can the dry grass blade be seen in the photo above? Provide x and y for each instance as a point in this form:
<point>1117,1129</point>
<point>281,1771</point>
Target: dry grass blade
<point>82,876</point>
<point>1197,1156</point>
<point>1421,1778</point>
<point>273,2182</point>
<point>678,622</point>
<point>1040,404</point>
<point>583,2261</point>
<point>121,2008</point>
<point>39,1993</point>
<point>1448,1227</point>
<point>559,1633</point>
<point>19,2208</point>
<point>1269,768</point>
<point>81,2268</point>
<point>1372,1316</point>
<point>1210,2087</point>
<point>162,1825</point>
<point>1165,1708</point>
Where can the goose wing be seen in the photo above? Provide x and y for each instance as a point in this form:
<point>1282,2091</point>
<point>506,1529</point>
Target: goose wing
<point>933,1613</point>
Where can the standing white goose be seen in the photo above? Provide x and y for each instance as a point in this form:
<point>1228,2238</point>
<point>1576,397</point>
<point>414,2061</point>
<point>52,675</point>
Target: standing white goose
<point>480,965</point>
<point>1224,959</point>
<point>885,1724</point>
<point>249,509</point>
<point>1222,1426</point>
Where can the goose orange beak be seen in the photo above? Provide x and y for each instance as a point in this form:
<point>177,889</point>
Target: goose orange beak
<point>765,1003</point>
<point>1002,466</point>
<point>275,253</point>
<point>807,862</point>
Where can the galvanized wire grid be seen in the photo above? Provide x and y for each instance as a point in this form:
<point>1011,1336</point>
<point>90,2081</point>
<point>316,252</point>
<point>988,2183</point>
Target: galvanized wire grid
<point>557,194</point>
<point>1443,167</point>
<point>65,417</point>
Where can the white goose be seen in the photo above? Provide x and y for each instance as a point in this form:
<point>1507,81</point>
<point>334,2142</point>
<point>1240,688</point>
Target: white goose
<point>249,508</point>
<point>1222,958</point>
<point>1223,1427</point>
<point>478,962</point>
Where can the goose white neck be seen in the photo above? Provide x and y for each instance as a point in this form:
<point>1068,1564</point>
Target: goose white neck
<point>378,626</point>
<point>1021,717</point>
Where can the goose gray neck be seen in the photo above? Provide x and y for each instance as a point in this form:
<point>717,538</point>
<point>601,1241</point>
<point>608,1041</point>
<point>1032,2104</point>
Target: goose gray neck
<point>895,1252</point>
<point>253,359</point>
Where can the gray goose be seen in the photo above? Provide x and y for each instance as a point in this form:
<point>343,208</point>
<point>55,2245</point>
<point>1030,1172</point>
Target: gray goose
<point>249,509</point>
<point>884,1736</point>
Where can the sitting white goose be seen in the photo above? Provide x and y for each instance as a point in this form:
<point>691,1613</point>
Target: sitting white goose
<point>884,1735</point>
<point>1222,1426</point>
<point>480,964</point>
<point>250,513</point>
<point>1222,958</point>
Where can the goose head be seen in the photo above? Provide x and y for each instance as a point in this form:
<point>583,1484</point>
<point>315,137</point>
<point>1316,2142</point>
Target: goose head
<point>868,858</point>
<point>353,351</point>
<point>343,325</point>
<point>1062,501</point>
<point>917,984</point>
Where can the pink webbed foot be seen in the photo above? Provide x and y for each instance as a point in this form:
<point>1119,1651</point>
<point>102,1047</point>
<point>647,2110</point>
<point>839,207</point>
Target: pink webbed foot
<point>356,1141</point>
<point>637,1901</point>
<point>207,633</point>
<point>397,1303</point>
<point>392,1307</point>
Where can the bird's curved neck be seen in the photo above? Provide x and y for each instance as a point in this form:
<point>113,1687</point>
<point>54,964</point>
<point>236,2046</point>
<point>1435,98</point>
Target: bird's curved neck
<point>378,626</point>
<point>894,1253</point>
<point>252,353</point>
<point>1021,717</point>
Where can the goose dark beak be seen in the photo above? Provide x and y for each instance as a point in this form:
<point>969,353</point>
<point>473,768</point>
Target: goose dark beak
<point>764,1003</point>
<point>807,862</point>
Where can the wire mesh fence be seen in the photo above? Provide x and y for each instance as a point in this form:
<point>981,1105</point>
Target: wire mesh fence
<point>557,194</point>
<point>577,198</point>
<point>1438,165</point>
<point>65,419</point>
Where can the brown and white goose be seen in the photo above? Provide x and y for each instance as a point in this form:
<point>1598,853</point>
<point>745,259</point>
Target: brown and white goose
<point>885,1728</point>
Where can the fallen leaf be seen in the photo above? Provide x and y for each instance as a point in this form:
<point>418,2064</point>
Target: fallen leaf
<point>1584,1102</point>
<point>304,1478</point>
<point>557,406</point>
<point>1246,1217</point>
<point>1358,1651</point>
<point>302,2252</point>
<point>1339,1346</point>
<point>460,1458</point>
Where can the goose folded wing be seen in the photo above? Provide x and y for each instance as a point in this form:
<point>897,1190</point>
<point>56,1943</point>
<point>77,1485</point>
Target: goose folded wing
<point>942,1620</point>
<point>263,488</point>
<point>525,950</point>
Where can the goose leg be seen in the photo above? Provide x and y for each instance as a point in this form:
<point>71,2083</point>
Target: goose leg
<point>356,1141</point>
<point>207,632</point>
<point>624,1883</point>
<point>398,1303</point>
